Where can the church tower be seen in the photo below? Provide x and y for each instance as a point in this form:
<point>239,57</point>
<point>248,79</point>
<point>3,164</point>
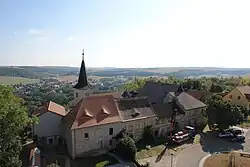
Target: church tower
<point>82,88</point>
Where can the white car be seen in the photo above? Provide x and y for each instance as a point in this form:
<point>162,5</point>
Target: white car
<point>226,134</point>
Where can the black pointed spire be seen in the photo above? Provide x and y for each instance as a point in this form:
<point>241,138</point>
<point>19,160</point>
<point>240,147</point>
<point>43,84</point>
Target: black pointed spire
<point>82,79</point>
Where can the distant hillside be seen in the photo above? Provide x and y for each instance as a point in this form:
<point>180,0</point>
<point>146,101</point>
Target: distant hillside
<point>49,71</point>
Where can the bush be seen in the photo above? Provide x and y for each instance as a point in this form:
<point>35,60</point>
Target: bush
<point>126,148</point>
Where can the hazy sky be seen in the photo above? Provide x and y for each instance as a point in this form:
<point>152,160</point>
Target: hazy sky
<point>125,33</point>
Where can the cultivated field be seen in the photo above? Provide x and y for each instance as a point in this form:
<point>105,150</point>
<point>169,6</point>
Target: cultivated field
<point>5,80</point>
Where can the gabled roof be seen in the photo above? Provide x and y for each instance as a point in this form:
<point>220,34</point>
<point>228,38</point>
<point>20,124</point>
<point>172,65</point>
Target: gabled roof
<point>92,111</point>
<point>50,107</point>
<point>156,91</point>
<point>245,91</point>
<point>188,102</point>
<point>134,108</point>
<point>198,94</point>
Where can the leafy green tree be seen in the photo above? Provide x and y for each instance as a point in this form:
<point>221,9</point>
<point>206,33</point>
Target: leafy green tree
<point>216,88</point>
<point>126,148</point>
<point>223,113</point>
<point>13,121</point>
<point>148,135</point>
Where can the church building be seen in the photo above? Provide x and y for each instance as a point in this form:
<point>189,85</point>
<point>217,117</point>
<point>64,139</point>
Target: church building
<point>82,89</point>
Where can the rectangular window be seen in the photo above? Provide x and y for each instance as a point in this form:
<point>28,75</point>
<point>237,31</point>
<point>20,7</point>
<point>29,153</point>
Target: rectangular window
<point>111,131</point>
<point>86,135</point>
<point>110,142</point>
<point>76,94</point>
<point>130,128</point>
<point>50,141</point>
<point>238,97</point>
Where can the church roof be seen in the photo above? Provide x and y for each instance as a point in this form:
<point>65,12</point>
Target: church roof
<point>82,79</point>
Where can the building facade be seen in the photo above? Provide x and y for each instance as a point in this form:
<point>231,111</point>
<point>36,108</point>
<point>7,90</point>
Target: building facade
<point>239,96</point>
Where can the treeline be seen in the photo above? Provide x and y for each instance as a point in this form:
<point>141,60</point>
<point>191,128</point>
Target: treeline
<point>41,72</point>
<point>36,72</point>
<point>209,84</point>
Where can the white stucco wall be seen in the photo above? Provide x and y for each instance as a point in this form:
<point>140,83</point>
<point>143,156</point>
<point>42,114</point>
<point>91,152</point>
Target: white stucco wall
<point>136,126</point>
<point>49,125</point>
<point>80,93</point>
<point>96,135</point>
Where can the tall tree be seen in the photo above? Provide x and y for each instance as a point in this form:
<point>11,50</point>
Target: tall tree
<point>223,113</point>
<point>13,121</point>
<point>126,148</point>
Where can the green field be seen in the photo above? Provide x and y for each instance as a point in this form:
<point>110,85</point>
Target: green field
<point>5,80</point>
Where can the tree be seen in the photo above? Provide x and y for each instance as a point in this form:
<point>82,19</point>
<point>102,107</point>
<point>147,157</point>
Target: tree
<point>13,121</point>
<point>126,148</point>
<point>216,88</point>
<point>223,113</point>
<point>148,135</point>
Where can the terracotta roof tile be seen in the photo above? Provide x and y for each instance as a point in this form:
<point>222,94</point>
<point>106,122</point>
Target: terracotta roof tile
<point>51,107</point>
<point>198,94</point>
<point>94,110</point>
<point>245,90</point>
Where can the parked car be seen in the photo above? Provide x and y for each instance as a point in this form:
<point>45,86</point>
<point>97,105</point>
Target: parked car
<point>181,138</point>
<point>190,130</point>
<point>238,138</point>
<point>226,134</point>
<point>235,131</point>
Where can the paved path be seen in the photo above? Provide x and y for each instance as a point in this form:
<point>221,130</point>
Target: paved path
<point>191,156</point>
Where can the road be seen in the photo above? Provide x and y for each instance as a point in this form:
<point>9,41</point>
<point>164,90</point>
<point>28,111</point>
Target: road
<point>190,157</point>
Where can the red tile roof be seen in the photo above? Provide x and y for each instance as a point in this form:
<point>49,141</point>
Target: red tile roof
<point>245,90</point>
<point>94,110</point>
<point>198,94</point>
<point>51,107</point>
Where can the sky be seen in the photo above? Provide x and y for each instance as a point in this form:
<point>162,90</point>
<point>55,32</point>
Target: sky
<point>125,33</point>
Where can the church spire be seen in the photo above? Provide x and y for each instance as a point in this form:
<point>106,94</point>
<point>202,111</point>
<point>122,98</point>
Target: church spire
<point>82,79</point>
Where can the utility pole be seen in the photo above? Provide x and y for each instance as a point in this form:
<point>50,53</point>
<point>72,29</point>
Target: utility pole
<point>171,161</point>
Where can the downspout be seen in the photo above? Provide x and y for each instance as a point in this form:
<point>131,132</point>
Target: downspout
<point>74,140</point>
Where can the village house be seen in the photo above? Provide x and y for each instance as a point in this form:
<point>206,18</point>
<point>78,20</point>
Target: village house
<point>48,130</point>
<point>188,109</point>
<point>91,125</point>
<point>239,96</point>
<point>136,113</point>
<point>191,108</point>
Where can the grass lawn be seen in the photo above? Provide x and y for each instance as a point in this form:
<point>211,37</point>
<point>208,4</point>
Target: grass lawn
<point>153,151</point>
<point>5,80</point>
<point>99,161</point>
<point>198,136</point>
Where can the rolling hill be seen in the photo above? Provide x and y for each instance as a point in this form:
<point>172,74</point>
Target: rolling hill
<point>35,72</point>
